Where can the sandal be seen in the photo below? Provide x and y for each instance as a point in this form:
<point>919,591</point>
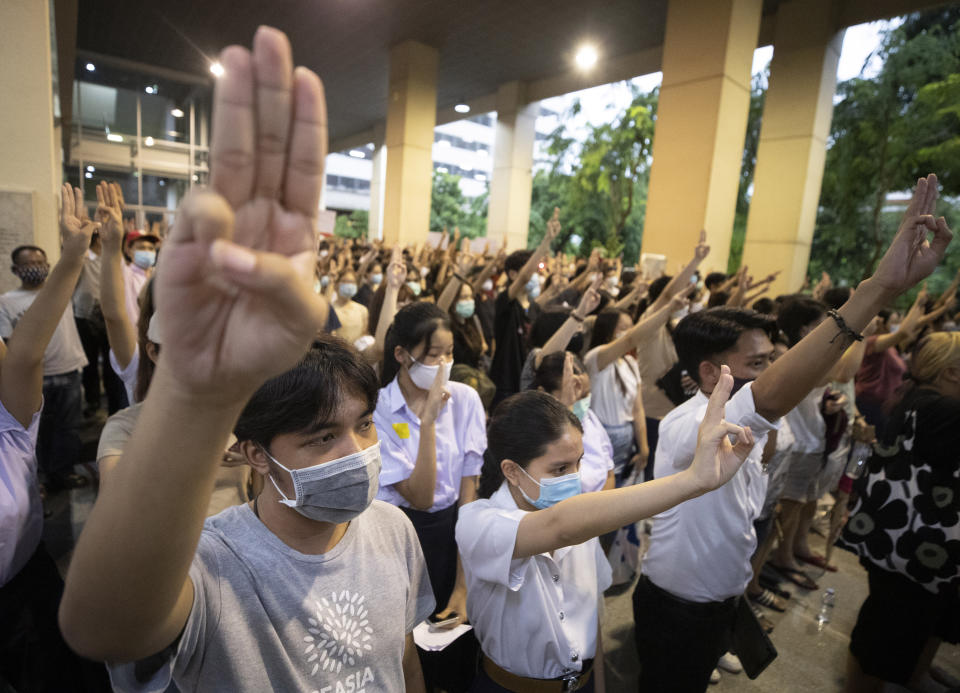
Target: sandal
<point>817,560</point>
<point>768,599</point>
<point>764,622</point>
<point>797,577</point>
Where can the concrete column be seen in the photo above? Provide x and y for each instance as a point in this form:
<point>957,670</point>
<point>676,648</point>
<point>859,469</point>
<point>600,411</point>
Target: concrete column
<point>793,138</point>
<point>511,184</point>
<point>701,125</point>
<point>30,171</point>
<point>411,117</point>
<point>377,185</point>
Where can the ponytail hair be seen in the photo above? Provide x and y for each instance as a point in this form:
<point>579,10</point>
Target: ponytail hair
<point>414,324</point>
<point>521,428</point>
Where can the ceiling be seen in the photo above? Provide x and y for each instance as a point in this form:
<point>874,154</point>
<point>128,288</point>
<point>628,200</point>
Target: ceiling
<point>482,44</point>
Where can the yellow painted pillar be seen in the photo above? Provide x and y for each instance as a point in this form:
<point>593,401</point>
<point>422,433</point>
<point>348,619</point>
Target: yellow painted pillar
<point>701,126</point>
<point>411,117</point>
<point>30,172</point>
<point>792,148</point>
<point>512,182</point>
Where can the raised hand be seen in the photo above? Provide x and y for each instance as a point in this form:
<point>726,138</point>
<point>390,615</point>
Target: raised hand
<point>76,228</point>
<point>911,257</point>
<point>590,299</point>
<point>110,215</point>
<point>436,398</point>
<point>702,249</point>
<point>234,292</point>
<point>568,382</point>
<point>717,459</point>
<point>396,270</point>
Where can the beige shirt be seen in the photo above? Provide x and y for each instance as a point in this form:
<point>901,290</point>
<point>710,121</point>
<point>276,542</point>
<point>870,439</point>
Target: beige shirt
<point>656,356</point>
<point>353,321</point>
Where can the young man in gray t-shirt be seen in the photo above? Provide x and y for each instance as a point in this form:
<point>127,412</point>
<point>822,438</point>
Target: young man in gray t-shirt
<point>309,587</point>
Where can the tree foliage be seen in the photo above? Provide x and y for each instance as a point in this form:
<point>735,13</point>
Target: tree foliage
<point>353,225</point>
<point>600,185</point>
<point>886,132</point>
<point>450,208</point>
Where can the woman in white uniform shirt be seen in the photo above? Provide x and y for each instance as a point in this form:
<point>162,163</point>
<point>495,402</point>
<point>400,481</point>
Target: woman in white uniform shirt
<point>596,467</point>
<point>535,574</point>
<point>433,434</point>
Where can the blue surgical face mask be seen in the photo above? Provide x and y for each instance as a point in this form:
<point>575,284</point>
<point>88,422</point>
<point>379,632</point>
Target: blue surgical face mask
<point>465,308</point>
<point>144,259</point>
<point>376,278</point>
<point>325,281</point>
<point>533,287</point>
<point>553,490</point>
<point>348,289</point>
<point>581,407</point>
<point>414,287</point>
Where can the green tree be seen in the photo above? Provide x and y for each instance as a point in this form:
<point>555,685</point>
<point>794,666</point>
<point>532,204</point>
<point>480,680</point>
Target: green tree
<point>450,208</point>
<point>603,199</point>
<point>758,92</point>
<point>352,225</point>
<point>886,131</point>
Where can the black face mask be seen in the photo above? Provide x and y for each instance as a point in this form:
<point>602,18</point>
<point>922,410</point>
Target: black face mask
<point>738,383</point>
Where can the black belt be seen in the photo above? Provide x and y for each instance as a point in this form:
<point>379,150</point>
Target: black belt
<point>703,607</point>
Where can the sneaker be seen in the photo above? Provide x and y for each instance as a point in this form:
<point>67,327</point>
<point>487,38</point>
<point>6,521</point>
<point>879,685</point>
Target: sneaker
<point>730,662</point>
<point>715,676</point>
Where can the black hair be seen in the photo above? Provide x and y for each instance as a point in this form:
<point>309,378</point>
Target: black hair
<point>884,314</point>
<point>516,260</point>
<point>22,248</point>
<point>605,326</point>
<point>713,331</point>
<point>412,325</point>
<point>714,278</point>
<point>836,297</point>
<point>657,286</point>
<point>718,299</point>
<point>796,313</point>
<point>309,394</point>
<point>549,375</point>
<point>145,365</point>
<point>764,305</point>
<point>520,429</point>
<point>546,325</point>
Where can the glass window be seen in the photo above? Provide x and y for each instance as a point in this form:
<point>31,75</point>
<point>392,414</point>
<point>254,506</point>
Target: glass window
<point>126,179</point>
<point>164,119</point>
<point>102,107</point>
<point>163,191</point>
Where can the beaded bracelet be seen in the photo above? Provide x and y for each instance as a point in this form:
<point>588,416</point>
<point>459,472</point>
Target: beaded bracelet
<point>842,324</point>
<point>576,317</point>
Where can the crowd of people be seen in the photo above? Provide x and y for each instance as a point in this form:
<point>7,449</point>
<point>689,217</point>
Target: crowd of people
<point>316,447</point>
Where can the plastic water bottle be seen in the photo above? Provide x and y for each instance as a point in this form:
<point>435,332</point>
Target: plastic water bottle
<point>858,460</point>
<point>827,602</point>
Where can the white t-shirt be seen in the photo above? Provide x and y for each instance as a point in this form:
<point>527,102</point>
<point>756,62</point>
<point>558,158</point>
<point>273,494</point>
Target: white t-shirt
<point>806,422</point>
<point>86,297</point>
<point>613,390</point>
<point>21,510</point>
<point>64,353</point>
<point>597,459</point>
<point>129,374</point>
<point>534,616</point>
<point>700,549</point>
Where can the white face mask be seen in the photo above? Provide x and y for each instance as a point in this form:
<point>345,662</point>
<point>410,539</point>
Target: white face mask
<point>423,375</point>
<point>487,285</point>
<point>335,491</point>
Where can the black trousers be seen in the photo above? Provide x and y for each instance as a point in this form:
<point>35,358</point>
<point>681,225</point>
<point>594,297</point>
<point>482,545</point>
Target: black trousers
<point>678,642</point>
<point>33,655</point>
<point>93,336</point>
<point>452,669</point>
<point>484,684</point>
<point>58,439</point>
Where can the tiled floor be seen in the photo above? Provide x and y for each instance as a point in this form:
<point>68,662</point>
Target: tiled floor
<point>808,659</point>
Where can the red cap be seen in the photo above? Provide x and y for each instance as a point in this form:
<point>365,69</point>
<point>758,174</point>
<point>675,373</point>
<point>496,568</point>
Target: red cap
<point>136,235</point>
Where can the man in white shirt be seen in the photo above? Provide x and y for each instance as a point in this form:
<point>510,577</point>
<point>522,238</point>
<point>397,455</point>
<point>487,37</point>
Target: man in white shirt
<point>698,564</point>
<point>140,250</point>
<point>58,441</point>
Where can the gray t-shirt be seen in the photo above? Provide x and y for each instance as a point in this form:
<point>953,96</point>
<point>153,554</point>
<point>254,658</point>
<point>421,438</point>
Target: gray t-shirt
<point>268,618</point>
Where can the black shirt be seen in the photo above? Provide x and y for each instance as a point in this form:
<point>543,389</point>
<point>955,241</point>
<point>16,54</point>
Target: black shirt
<point>511,327</point>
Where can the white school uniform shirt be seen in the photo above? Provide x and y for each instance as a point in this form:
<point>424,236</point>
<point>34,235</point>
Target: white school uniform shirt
<point>700,549</point>
<point>610,402</point>
<point>534,616</point>
<point>461,433</point>
<point>597,454</point>
<point>806,422</point>
<point>21,510</point>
